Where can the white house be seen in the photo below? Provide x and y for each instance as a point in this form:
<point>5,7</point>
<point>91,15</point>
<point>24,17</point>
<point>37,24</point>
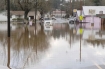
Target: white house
<point>3,16</point>
<point>17,14</point>
<point>31,15</point>
<point>90,13</point>
<point>95,9</point>
<point>20,14</point>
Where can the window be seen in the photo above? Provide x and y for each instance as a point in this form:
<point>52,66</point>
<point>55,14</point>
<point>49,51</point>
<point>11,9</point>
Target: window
<point>100,12</point>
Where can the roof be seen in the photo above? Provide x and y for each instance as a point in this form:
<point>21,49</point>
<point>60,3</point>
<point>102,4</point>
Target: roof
<point>31,13</point>
<point>100,15</point>
<point>17,12</point>
<point>96,9</point>
<point>59,12</point>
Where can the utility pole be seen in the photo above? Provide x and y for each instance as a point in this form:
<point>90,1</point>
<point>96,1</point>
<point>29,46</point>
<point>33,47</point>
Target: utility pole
<point>8,20</point>
<point>71,6</point>
<point>61,8</point>
<point>8,16</point>
<point>35,13</point>
<point>81,7</point>
<point>81,27</point>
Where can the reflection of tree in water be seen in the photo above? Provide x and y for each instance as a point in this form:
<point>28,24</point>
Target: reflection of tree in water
<point>3,48</point>
<point>97,43</point>
<point>73,37</point>
<point>65,32</point>
<point>26,50</point>
<point>61,31</point>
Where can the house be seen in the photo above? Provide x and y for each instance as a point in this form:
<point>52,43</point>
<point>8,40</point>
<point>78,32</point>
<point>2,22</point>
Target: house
<point>58,13</point>
<point>3,16</point>
<point>17,14</point>
<point>90,16</point>
<point>20,14</point>
<point>31,15</point>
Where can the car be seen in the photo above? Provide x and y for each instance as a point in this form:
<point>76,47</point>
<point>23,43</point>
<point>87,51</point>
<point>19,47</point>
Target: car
<point>53,18</point>
<point>72,23</point>
<point>48,24</point>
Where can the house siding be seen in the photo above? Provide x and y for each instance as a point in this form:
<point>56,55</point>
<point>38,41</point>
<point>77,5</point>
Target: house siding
<point>95,20</point>
<point>15,16</point>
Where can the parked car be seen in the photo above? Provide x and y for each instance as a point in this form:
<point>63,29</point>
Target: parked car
<point>72,22</point>
<point>48,24</point>
<point>53,18</point>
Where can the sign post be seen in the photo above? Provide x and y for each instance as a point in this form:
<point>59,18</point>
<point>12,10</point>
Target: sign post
<point>80,17</point>
<point>74,12</point>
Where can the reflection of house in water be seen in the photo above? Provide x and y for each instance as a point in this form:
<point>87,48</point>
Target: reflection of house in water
<point>97,43</point>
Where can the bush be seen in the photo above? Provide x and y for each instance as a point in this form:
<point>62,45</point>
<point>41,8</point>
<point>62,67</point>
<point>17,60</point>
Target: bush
<point>14,19</point>
<point>19,19</point>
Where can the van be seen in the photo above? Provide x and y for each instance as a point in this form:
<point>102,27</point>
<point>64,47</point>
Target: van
<point>48,24</point>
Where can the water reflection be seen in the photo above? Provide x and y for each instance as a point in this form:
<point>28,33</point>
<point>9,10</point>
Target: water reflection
<point>96,43</point>
<point>8,48</point>
<point>54,49</point>
<point>25,50</point>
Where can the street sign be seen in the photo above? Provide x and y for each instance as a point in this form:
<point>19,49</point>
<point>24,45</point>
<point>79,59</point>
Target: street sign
<point>81,17</point>
<point>91,11</point>
<point>74,10</point>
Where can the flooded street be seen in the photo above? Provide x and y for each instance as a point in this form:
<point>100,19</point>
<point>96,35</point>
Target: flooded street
<point>55,49</point>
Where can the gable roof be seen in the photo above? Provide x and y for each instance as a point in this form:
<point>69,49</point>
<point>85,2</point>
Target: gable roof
<point>31,13</point>
<point>97,9</point>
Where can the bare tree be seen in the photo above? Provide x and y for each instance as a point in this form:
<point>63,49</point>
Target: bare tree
<point>25,5</point>
<point>44,6</point>
<point>2,4</point>
<point>103,2</point>
<point>89,3</point>
<point>28,5</point>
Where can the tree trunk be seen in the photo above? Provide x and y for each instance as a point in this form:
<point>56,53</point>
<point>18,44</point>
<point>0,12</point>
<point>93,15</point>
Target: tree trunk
<point>25,14</point>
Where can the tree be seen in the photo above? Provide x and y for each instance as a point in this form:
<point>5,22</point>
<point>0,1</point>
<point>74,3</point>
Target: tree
<point>89,3</point>
<point>2,5</point>
<point>103,2</point>
<point>25,5</point>
<point>56,4</point>
<point>97,2</point>
<point>44,6</point>
<point>28,5</point>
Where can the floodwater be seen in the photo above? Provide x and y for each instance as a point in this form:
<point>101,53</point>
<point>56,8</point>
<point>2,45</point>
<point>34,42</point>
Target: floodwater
<point>56,49</point>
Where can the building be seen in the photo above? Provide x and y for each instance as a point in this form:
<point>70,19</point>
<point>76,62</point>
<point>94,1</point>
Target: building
<point>17,14</point>
<point>90,16</point>
<point>20,14</point>
<point>59,13</point>
<point>31,15</point>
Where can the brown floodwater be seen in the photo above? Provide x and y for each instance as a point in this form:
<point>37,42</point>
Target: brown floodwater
<point>54,49</point>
